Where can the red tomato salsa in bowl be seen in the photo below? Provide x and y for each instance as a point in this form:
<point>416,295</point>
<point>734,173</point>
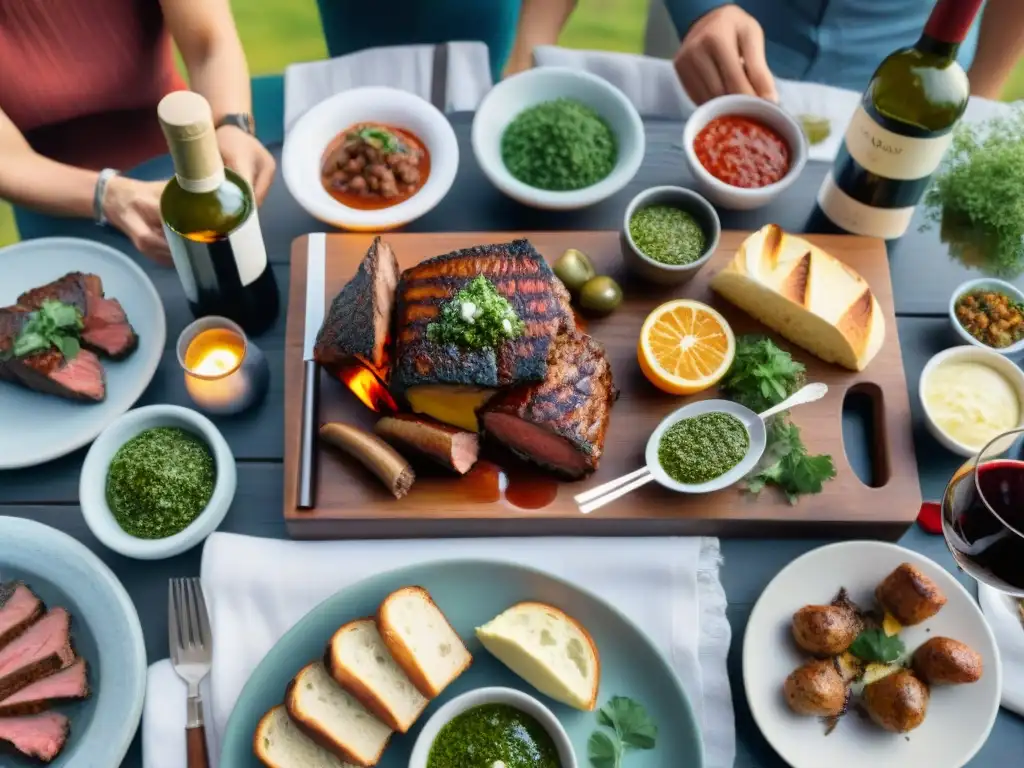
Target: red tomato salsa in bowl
<point>742,152</point>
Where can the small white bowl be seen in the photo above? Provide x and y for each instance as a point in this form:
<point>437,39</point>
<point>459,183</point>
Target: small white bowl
<point>92,487</point>
<point>513,95</point>
<point>479,696</point>
<point>740,198</point>
<point>304,147</point>
<point>985,283</point>
<point>976,354</point>
<point>755,428</point>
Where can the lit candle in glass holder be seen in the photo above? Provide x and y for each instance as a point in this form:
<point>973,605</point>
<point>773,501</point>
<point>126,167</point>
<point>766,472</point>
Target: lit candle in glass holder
<point>225,372</point>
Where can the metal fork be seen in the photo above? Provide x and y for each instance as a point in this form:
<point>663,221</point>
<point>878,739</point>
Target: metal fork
<point>191,653</point>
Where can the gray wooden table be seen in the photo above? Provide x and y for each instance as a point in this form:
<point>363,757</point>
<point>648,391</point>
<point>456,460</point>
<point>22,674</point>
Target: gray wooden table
<point>923,276</point>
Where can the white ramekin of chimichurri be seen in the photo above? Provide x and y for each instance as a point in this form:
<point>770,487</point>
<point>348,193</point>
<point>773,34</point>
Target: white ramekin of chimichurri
<point>157,482</point>
<point>499,728</point>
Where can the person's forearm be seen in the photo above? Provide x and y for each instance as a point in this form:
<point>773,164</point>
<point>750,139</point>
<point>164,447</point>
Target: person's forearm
<point>1000,43</point>
<point>540,23</point>
<point>32,181</point>
<point>222,76</point>
<point>685,12</point>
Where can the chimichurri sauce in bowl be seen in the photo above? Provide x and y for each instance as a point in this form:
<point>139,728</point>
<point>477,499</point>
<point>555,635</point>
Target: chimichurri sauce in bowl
<point>701,448</point>
<point>492,734</point>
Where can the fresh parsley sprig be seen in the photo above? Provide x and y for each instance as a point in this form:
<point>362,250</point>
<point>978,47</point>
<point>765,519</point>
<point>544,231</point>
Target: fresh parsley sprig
<point>874,645</point>
<point>631,728</point>
<point>787,465</point>
<point>54,324</point>
<point>761,374</point>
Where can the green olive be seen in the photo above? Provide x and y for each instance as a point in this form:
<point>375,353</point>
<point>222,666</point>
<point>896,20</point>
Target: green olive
<point>601,295</point>
<point>574,269</point>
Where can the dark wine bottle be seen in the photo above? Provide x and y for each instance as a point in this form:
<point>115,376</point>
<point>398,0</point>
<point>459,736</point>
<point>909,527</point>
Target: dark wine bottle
<point>901,129</point>
<point>211,222</point>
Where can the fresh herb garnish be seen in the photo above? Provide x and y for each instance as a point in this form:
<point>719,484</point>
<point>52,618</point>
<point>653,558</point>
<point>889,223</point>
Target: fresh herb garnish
<point>477,317</point>
<point>54,324</point>
<point>632,729</point>
<point>787,465</point>
<point>875,645</point>
<point>761,374</point>
<point>380,138</point>
<point>977,197</point>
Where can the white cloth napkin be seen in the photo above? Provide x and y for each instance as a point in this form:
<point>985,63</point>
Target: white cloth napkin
<point>408,67</point>
<point>257,589</point>
<point>653,87</point>
<point>1003,617</point>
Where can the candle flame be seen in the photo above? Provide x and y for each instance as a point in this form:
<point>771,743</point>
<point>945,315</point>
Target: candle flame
<point>368,388</point>
<point>216,362</point>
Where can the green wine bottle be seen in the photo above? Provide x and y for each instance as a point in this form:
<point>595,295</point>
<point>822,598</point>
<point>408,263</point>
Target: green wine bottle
<point>901,129</point>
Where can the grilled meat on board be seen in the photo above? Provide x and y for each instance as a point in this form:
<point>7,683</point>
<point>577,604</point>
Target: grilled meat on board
<point>40,736</point>
<point>80,379</point>
<point>68,684</point>
<point>452,448</point>
<point>19,608</point>
<point>559,423</point>
<point>106,330</point>
<point>358,324</point>
<point>519,274</point>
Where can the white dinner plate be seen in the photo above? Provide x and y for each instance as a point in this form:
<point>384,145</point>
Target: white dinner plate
<point>36,427</point>
<point>959,717</point>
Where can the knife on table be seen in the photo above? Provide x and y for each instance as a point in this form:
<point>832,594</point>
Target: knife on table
<point>316,265</point>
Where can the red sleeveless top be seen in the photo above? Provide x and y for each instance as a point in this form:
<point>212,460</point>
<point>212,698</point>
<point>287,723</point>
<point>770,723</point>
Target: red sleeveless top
<point>81,78</point>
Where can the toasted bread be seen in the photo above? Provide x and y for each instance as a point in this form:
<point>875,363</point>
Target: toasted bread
<point>334,718</point>
<point>421,640</point>
<point>548,649</point>
<point>279,743</point>
<point>360,662</point>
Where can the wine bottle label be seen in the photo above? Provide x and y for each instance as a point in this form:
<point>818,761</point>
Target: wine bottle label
<point>893,155</point>
<point>861,219</point>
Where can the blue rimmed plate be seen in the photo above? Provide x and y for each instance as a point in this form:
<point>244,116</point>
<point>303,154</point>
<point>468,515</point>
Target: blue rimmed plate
<point>471,593</point>
<point>105,631</point>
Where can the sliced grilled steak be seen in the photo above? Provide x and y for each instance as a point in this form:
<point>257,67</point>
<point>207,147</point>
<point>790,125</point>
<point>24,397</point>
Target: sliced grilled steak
<point>358,325</point>
<point>19,608</point>
<point>80,379</point>
<point>106,328</point>
<point>40,736</point>
<point>68,684</point>
<point>559,423</point>
<point>519,274</point>
<point>40,650</point>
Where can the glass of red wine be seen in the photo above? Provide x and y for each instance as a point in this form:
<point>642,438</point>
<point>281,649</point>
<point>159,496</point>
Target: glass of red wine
<point>983,514</point>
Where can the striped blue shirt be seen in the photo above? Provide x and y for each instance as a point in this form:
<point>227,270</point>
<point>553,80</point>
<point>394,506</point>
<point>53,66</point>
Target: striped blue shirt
<point>836,42</point>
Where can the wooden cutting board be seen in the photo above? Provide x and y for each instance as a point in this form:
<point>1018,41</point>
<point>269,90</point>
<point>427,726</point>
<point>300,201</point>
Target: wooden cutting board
<point>503,497</point>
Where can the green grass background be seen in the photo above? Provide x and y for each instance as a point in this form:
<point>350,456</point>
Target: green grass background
<point>278,32</point>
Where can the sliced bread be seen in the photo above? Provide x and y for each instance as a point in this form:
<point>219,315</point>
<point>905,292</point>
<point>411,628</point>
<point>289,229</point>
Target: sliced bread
<point>421,640</point>
<point>279,743</point>
<point>548,649</point>
<point>334,718</point>
<point>360,662</point>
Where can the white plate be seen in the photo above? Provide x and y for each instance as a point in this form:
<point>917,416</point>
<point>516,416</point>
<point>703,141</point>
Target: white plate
<point>959,717</point>
<point>34,427</point>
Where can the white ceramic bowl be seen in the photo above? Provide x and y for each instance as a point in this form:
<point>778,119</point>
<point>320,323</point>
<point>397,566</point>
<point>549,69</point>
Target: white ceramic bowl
<point>985,283</point>
<point>975,354</point>
<point>513,95</point>
<point>92,486</point>
<point>755,428</point>
<point>739,198</point>
<point>474,698</point>
<point>305,144</point>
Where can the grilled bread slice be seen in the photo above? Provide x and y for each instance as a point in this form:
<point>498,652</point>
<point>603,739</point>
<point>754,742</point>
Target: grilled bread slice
<point>360,662</point>
<point>334,718</point>
<point>421,640</point>
<point>279,743</point>
<point>548,649</point>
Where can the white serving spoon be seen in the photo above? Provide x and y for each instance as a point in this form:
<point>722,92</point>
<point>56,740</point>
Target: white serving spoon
<point>608,492</point>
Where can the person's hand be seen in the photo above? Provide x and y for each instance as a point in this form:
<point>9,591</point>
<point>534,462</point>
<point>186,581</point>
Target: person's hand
<point>134,208</point>
<point>246,156</point>
<point>724,53</point>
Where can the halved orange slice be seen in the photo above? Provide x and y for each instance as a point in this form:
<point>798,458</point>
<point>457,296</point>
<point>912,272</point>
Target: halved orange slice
<point>685,347</point>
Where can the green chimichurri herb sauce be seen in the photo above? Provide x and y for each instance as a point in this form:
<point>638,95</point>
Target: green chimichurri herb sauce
<point>485,735</point>
<point>478,317</point>
<point>704,447</point>
<point>159,482</point>
<point>559,145</point>
<point>667,234</point>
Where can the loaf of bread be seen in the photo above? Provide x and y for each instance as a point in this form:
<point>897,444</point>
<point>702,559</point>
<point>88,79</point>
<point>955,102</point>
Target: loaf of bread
<point>548,649</point>
<point>360,662</point>
<point>279,743</point>
<point>806,295</point>
<point>421,640</point>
